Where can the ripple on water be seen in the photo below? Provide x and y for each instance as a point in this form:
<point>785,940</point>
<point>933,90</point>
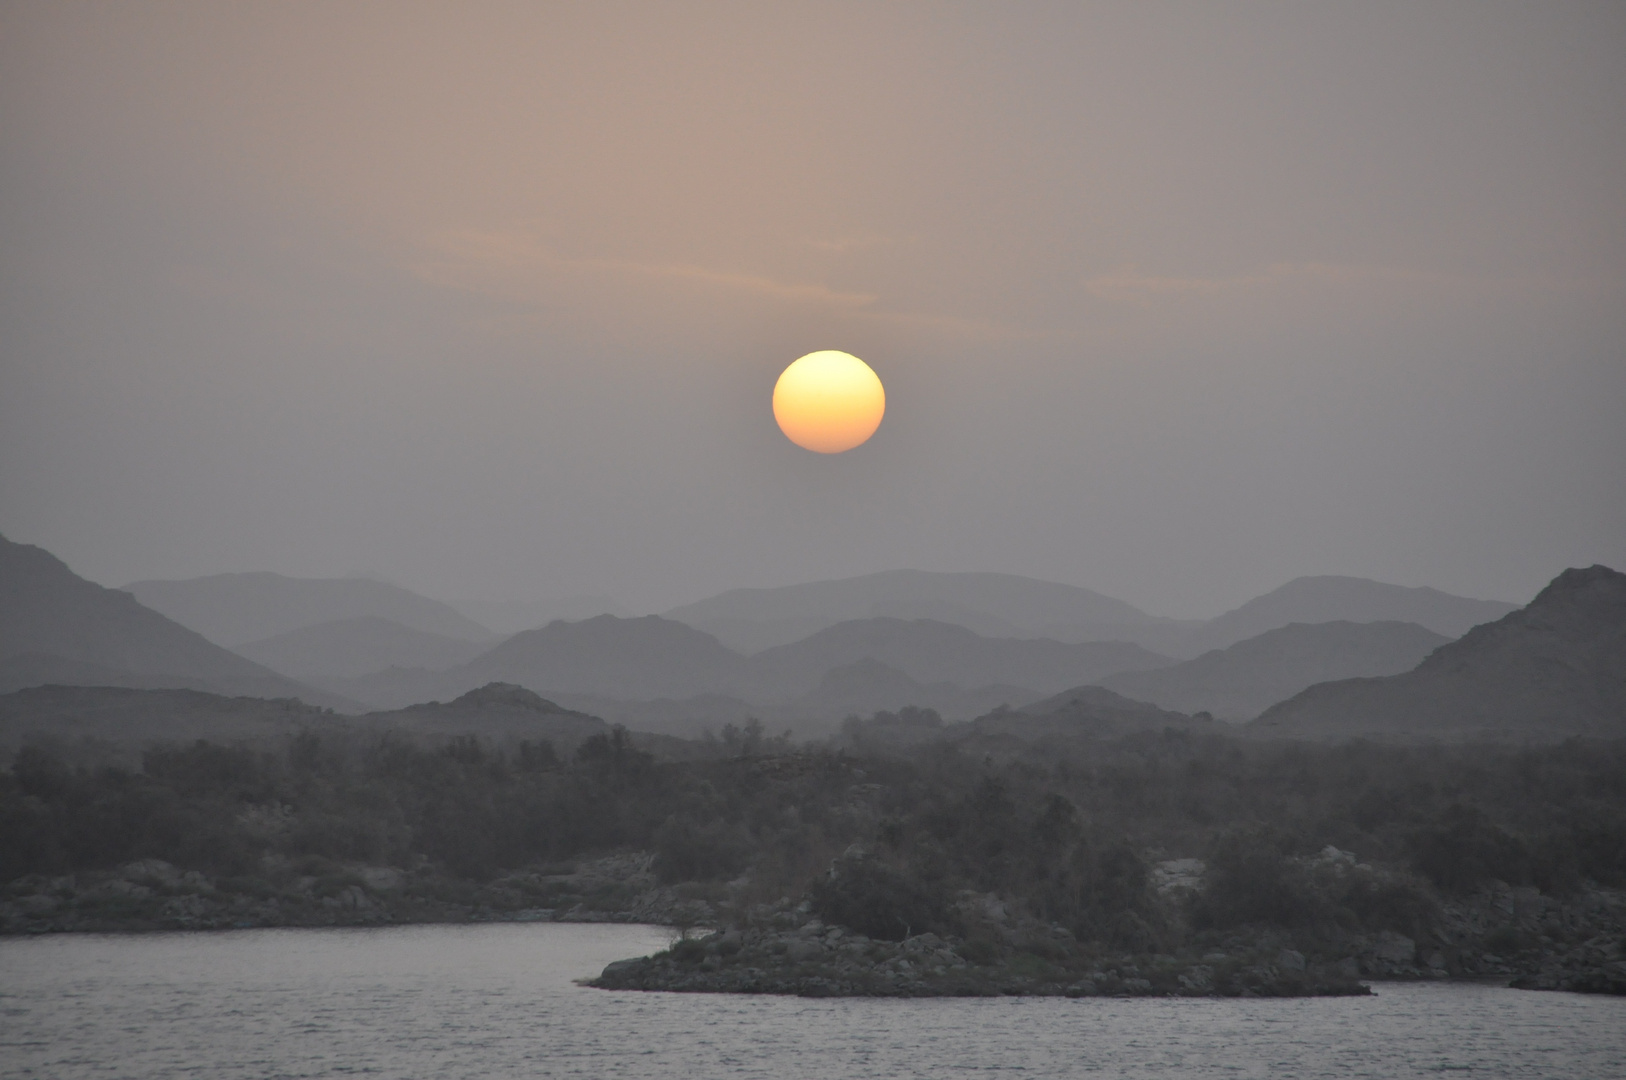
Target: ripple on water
<point>500,1001</point>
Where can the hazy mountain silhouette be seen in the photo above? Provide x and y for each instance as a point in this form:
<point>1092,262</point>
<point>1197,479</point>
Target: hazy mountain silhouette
<point>1347,599</point>
<point>1081,711</point>
<point>1005,605</point>
<point>869,686</point>
<point>497,711</point>
<point>995,605</point>
<point>126,717</point>
<point>352,647</point>
<point>648,657</point>
<point>512,616</point>
<point>57,627</point>
<point>1241,681</point>
<point>929,651</point>
<point>233,609</point>
<point>1552,669</point>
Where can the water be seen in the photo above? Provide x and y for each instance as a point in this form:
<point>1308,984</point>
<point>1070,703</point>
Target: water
<point>498,1001</point>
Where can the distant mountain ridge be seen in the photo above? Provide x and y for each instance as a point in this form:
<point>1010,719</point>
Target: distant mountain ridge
<point>658,658</point>
<point>929,651</point>
<point>1547,671</point>
<point>1006,605</point>
<point>1242,680</point>
<point>56,626</point>
<point>1331,598</point>
<point>351,647</point>
<point>993,605</point>
<point>234,609</point>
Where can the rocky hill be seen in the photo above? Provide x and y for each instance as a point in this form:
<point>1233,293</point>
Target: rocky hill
<point>1245,679</point>
<point>1545,672</point>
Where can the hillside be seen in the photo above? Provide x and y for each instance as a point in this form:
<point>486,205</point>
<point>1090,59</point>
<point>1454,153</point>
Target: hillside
<point>231,609</point>
<point>1243,680</point>
<point>500,712</point>
<point>118,720</point>
<point>57,627</point>
<point>929,651</point>
<point>994,605</point>
<point>353,647</point>
<point>1347,599</point>
<point>1547,671</point>
<point>1083,711</point>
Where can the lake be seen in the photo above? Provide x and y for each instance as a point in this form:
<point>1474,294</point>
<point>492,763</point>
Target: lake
<point>499,1000</point>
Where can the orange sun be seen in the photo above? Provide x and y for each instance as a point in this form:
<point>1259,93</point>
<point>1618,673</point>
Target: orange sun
<point>828,402</point>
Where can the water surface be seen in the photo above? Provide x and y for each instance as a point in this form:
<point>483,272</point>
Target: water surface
<point>500,1001</point>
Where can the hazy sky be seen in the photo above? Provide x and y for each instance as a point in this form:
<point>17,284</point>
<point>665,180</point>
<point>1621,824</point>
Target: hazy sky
<point>1173,301</point>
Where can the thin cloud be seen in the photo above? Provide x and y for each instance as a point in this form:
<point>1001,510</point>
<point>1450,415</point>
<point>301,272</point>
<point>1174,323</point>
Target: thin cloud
<point>480,260</point>
<point>1128,285</point>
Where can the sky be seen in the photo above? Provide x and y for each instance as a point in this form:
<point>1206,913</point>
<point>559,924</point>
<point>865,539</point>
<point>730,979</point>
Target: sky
<point>1175,301</point>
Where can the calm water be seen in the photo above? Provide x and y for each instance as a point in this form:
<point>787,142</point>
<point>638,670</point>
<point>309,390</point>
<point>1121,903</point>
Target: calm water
<point>498,1001</point>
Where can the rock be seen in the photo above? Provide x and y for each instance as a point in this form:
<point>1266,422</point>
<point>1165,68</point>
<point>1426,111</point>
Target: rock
<point>1290,960</point>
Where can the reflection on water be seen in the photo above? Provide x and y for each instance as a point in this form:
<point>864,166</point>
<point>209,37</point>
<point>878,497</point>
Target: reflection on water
<point>499,1001</point>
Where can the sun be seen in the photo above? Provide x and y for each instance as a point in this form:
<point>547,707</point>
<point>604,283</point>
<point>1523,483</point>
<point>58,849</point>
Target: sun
<point>828,402</point>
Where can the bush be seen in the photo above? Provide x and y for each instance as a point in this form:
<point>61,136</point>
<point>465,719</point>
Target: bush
<point>871,898</point>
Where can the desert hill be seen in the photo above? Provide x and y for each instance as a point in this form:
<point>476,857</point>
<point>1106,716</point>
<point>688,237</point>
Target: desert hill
<point>348,648</point>
<point>1547,671</point>
<point>1243,680</point>
<point>57,627</point>
<point>231,609</point>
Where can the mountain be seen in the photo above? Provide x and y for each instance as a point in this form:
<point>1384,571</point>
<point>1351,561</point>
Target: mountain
<point>1088,711</point>
<point>512,616</point>
<point>1240,682</point>
<point>994,605</point>
<point>353,647</point>
<point>57,627</point>
<point>496,711</point>
<point>1346,599</point>
<point>231,609</point>
<point>868,686</point>
<point>1547,671</point>
<point>648,657</point>
<point>929,651</point>
<point>117,717</point>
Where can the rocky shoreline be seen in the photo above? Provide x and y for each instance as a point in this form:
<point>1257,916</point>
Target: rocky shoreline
<point>813,960</point>
<point>1512,936</point>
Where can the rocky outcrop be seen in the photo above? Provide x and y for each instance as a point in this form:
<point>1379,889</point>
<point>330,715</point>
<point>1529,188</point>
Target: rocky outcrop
<point>792,952</point>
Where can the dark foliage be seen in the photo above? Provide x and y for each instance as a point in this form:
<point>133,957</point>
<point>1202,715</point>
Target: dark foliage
<point>1063,829</point>
<point>865,895</point>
